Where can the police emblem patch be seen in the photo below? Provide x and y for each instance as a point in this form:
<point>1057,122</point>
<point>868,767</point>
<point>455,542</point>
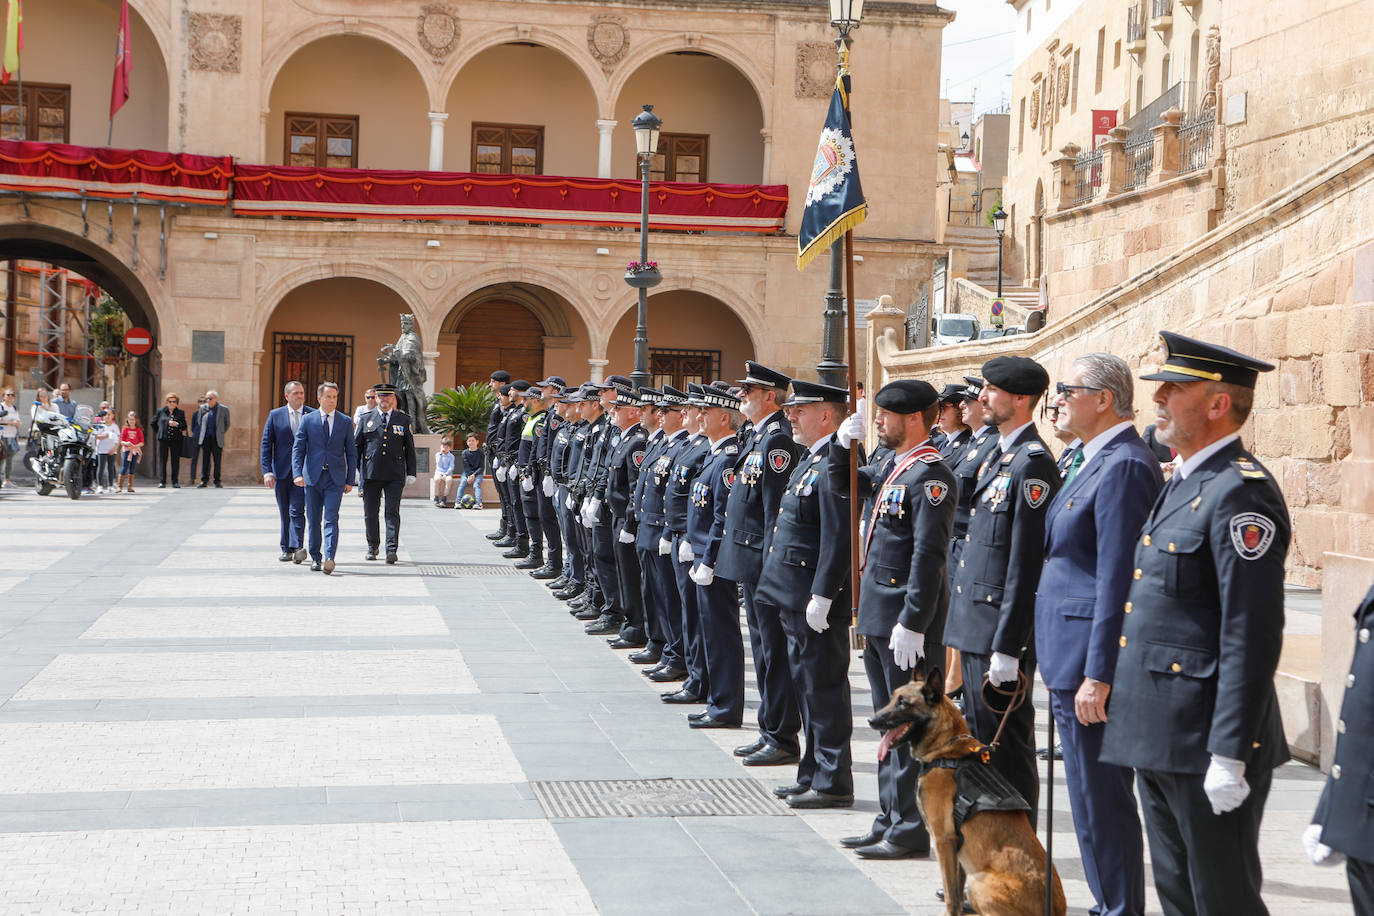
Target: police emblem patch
<point>779,459</point>
<point>1037,491</point>
<point>936,491</point>
<point>638,458</point>
<point>729,478</point>
<point>1251,535</point>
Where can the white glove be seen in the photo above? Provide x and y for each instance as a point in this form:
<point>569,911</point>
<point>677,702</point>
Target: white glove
<point>703,575</point>
<point>625,537</point>
<point>817,610</point>
<point>1317,851</point>
<point>1003,669</point>
<point>501,473</point>
<point>570,502</point>
<point>548,486</point>
<point>665,547</point>
<point>684,552</point>
<point>850,431</point>
<point>410,479</point>
<point>526,485</point>
<point>863,528</point>
<point>907,646</point>
<point>1225,784</point>
<point>587,522</point>
<point>593,510</point>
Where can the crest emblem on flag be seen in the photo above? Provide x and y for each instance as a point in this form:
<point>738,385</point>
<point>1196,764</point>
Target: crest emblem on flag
<point>1251,535</point>
<point>834,160</point>
<point>1036,492</point>
<point>936,490</point>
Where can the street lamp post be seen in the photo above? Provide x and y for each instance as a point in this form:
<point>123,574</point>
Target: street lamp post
<point>999,222</point>
<point>641,275</point>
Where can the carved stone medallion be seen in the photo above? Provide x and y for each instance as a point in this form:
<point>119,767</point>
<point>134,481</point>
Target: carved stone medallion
<point>216,42</point>
<point>815,69</point>
<point>1063,85</point>
<point>608,40</point>
<point>1035,108</point>
<point>437,30</point>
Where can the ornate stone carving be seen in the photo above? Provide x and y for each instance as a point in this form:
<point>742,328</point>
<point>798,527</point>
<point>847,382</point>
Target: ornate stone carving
<point>216,42</point>
<point>1035,108</point>
<point>815,69</point>
<point>1063,85</point>
<point>608,40</point>
<point>437,30</point>
<point>1213,67</point>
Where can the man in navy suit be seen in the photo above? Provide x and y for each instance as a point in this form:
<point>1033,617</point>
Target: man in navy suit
<point>1110,483</point>
<point>323,461</point>
<point>278,438</point>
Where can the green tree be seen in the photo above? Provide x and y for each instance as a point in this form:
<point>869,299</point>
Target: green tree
<point>458,411</point>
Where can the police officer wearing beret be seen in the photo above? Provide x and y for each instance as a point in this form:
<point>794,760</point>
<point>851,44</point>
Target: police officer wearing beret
<point>805,583</point>
<point>1193,708</point>
<point>992,610</point>
<point>904,593</point>
<point>1343,825</point>
<point>765,465</point>
<point>386,464</point>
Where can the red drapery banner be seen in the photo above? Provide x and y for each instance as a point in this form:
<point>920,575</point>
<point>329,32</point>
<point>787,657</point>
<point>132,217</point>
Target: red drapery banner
<point>56,168</point>
<point>376,194</point>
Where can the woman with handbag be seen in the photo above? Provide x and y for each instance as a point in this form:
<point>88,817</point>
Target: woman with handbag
<point>169,428</point>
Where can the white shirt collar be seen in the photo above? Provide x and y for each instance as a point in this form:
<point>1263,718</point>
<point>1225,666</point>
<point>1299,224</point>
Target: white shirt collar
<point>821,443</point>
<point>716,443</point>
<point>1005,443</point>
<point>679,433</point>
<point>327,415</point>
<point>655,434</point>
<point>1100,441</point>
<point>1197,458</point>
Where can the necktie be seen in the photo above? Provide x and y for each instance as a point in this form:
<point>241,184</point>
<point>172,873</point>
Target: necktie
<point>386,418</point>
<point>295,422</point>
<point>1074,465</point>
<point>328,425</point>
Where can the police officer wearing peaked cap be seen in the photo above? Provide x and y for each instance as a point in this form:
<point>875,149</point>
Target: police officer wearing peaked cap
<point>1193,708</point>
<point>386,463</point>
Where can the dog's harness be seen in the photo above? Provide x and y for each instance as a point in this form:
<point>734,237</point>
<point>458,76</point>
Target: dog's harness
<point>978,786</point>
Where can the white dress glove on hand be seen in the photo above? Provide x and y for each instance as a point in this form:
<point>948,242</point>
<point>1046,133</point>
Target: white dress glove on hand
<point>1003,669</point>
<point>703,575</point>
<point>1317,851</point>
<point>587,522</point>
<point>571,502</point>
<point>548,486</point>
<point>526,485</point>
<point>684,552</point>
<point>850,431</point>
<point>665,547</point>
<point>817,610</point>
<point>1225,784</point>
<point>907,646</point>
<point>593,510</point>
<point>410,479</point>
<point>501,473</point>
<point>625,537</point>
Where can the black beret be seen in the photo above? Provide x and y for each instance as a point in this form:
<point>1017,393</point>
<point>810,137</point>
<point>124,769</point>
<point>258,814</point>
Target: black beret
<point>500,375</point>
<point>520,386</point>
<point>504,389</point>
<point>906,395</point>
<point>1016,374</point>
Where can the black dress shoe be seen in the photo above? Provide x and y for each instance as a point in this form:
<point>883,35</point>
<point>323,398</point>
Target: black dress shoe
<point>604,625</point>
<point>588,613</point>
<point>285,555</point>
<point>494,535</point>
<point>886,849</point>
<point>620,642</point>
<point>516,553</point>
<point>812,799</point>
<point>668,675</point>
<point>391,559</point>
<point>569,592</point>
<point>795,788</point>
<point>580,602</point>
<point>175,485</point>
<point>1044,752</point>
<point>533,561</point>
<point>202,485</point>
<point>770,756</point>
<point>299,556</point>
<point>681,697</point>
<point>507,540</point>
<point>218,486</point>
<point>557,584</point>
<point>547,572</point>
<point>161,486</point>
<point>711,722</point>
<point>647,656</point>
<point>863,839</point>
<point>315,566</point>
<point>744,750</point>
<point>372,553</point>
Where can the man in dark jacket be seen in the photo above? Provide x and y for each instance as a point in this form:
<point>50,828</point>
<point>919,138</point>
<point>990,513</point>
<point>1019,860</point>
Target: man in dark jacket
<point>386,465</point>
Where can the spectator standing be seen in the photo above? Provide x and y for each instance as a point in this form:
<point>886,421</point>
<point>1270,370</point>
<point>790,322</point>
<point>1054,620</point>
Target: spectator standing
<point>471,471</point>
<point>169,428</point>
<point>443,471</point>
<point>106,451</point>
<point>9,437</point>
<point>63,403</point>
<point>369,402</point>
<point>191,447</point>
<point>214,430</point>
<point>131,446</point>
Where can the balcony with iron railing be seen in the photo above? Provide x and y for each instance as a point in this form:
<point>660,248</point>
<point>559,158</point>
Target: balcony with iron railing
<point>1161,15</point>
<point>1136,24</point>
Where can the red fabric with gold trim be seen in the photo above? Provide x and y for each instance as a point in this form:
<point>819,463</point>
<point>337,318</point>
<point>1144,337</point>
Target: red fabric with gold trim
<point>58,168</point>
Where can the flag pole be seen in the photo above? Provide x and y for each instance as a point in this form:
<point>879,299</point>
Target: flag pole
<point>854,404</point>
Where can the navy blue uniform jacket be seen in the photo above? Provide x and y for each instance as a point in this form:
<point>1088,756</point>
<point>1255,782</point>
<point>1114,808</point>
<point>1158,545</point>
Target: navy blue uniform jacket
<point>762,469</point>
<point>806,552</point>
<point>1346,808</point>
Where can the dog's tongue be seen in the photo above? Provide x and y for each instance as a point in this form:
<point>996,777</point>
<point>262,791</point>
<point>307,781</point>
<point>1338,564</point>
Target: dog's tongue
<point>890,737</point>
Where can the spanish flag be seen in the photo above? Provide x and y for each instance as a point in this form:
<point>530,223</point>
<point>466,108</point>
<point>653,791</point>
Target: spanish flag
<point>14,40</point>
<point>835,199</point>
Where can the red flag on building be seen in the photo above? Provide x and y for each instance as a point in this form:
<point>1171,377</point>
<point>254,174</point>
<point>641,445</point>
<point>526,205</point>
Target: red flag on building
<point>124,63</point>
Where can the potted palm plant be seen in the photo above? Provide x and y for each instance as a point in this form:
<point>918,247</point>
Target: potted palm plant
<point>458,411</point>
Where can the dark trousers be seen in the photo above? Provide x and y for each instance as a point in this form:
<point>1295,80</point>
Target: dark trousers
<point>1014,757</point>
<point>665,617</point>
<point>1102,797</point>
<point>1360,874</point>
<point>516,504</point>
<point>628,581</point>
<point>693,653</point>
<point>819,663</point>
<point>899,817</point>
<point>322,517</point>
<point>209,451</point>
<point>373,492</point>
<point>169,452</point>
<point>723,650</point>
<point>191,450</point>
<point>651,596</point>
<point>529,508</point>
<point>779,718</point>
<point>548,523</point>
<point>603,537</point>
<point>568,537</point>
<point>577,544</point>
<point>503,497</point>
<point>1204,864</point>
<point>291,507</point>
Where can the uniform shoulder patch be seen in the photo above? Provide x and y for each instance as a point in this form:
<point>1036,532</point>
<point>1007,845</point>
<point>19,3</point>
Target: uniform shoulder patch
<point>1249,469</point>
<point>1035,448</point>
<point>1036,491</point>
<point>1009,457</point>
<point>779,459</point>
<point>936,491</point>
<point>728,478</point>
<point>732,449</point>
<point>638,457</point>
<point>772,427</point>
<point>1251,534</point>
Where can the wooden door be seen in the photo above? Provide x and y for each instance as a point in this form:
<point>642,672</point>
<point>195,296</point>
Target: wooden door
<point>499,335</point>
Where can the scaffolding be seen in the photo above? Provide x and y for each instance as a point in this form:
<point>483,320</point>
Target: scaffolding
<point>57,345</point>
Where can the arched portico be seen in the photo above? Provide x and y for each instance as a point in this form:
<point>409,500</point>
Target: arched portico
<point>525,328</point>
<point>693,336</point>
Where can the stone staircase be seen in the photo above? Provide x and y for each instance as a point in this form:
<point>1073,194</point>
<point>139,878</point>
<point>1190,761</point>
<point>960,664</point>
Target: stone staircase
<point>979,243</point>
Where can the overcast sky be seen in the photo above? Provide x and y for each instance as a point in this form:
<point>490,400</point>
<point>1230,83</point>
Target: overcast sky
<point>976,63</point>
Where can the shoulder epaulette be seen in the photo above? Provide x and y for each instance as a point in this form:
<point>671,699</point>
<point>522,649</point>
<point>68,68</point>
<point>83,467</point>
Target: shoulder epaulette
<point>1034,448</point>
<point>772,427</point>
<point>1249,469</point>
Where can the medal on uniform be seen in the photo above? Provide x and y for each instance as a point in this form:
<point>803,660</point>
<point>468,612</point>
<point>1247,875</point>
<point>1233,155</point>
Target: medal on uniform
<point>807,485</point>
<point>753,469</point>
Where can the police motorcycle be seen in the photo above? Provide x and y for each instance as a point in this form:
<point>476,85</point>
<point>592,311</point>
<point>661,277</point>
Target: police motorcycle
<point>66,451</point>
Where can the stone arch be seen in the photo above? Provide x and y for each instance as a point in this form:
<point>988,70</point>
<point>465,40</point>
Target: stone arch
<point>749,314</point>
<point>575,53</point>
<point>641,54</point>
<point>152,18</point>
<point>473,283</point>
<point>277,288</point>
<point>275,59</point>
<point>684,318</point>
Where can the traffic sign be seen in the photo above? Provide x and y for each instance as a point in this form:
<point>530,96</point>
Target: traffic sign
<point>997,306</point>
<point>138,341</point>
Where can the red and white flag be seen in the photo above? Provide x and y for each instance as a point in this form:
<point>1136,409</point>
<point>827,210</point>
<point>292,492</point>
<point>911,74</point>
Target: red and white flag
<point>124,63</point>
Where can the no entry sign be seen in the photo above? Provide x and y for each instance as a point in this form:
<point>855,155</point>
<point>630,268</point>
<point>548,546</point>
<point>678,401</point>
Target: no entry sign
<point>138,341</point>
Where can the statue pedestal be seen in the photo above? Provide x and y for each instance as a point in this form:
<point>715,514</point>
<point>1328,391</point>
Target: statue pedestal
<point>426,447</point>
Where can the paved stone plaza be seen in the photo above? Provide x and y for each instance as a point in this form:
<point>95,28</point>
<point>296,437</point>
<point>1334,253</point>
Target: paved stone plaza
<point>191,726</point>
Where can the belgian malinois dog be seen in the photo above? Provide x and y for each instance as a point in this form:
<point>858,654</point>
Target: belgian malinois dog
<point>996,849</point>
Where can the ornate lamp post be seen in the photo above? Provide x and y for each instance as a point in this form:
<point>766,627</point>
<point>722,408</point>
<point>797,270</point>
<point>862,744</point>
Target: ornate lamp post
<point>644,273</point>
<point>999,222</point>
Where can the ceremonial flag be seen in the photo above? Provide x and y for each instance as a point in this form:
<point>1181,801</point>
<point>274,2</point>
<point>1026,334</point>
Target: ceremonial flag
<point>124,63</point>
<point>14,40</point>
<point>835,200</point>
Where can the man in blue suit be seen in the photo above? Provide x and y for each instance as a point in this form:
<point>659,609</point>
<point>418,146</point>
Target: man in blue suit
<point>1110,483</point>
<point>323,460</point>
<point>278,438</point>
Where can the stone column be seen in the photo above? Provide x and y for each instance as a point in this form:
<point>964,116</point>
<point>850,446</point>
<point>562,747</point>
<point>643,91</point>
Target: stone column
<point>1064,178</point>
<point>262,132</point>
<point>431,358</point>
<point>436,140</point>
<point>597,368</point>
<point>767,153</point>
<point>1165,164</point>
<point>1114,161</point>
<point>606,130</point>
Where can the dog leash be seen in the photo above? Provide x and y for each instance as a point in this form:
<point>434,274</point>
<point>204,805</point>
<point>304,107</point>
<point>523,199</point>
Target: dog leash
<point>1015,697</point>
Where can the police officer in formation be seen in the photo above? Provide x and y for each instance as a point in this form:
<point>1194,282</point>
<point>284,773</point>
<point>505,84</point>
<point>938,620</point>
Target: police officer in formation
<point>499,383</point>
<point>386,464</point>
<point>1157,610</point>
